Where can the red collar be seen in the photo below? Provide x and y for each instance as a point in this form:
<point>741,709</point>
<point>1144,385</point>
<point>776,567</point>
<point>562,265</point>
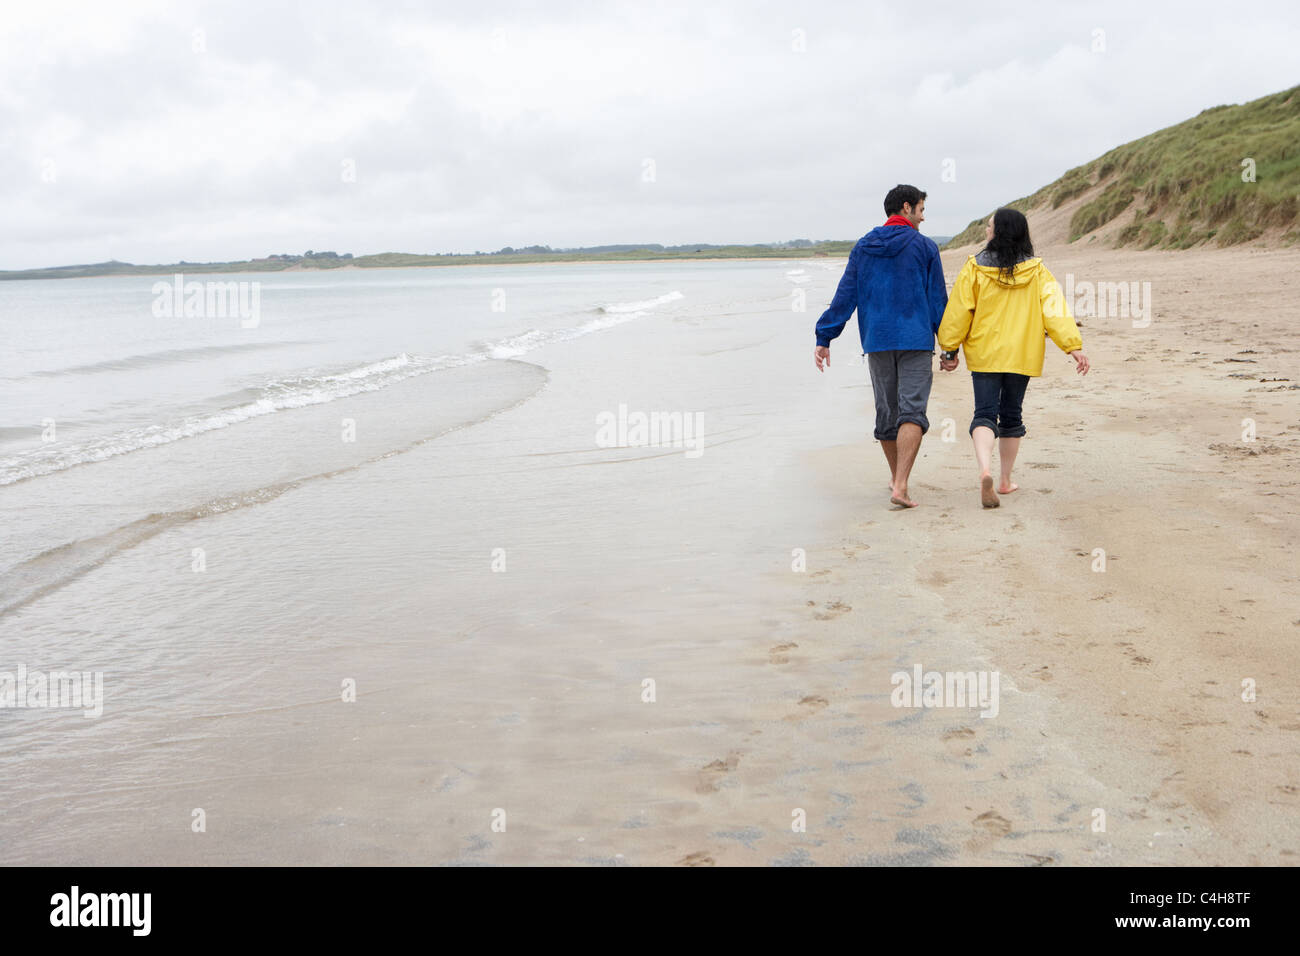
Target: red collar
<point>898,221</point>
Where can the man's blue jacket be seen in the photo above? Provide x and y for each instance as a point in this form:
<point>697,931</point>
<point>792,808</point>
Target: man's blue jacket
<point>895,280</point>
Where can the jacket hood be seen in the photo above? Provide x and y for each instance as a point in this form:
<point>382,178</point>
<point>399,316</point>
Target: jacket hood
<point>888,241</point>
<point>1026,269</point>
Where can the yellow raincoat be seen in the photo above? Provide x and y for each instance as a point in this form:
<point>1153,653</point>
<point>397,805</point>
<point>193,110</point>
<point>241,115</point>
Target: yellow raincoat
<point>1001,326</point>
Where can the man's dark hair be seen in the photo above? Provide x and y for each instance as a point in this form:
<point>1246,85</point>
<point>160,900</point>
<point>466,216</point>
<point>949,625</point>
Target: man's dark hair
<point>900,194</point>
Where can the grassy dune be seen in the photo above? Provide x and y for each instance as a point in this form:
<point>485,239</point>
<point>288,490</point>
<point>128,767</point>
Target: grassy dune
<point>1183,186</point>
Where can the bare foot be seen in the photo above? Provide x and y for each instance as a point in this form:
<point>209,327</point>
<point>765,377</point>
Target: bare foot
<point>988,497</point>
<point>1006,487</point>
<point>901,499</point>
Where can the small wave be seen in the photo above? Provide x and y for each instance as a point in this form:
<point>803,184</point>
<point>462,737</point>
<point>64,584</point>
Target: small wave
<point>608,322</point>
<point>619,307</point>
<point>293,393</point>
<point>536,338</point>
<point>519,345</point>
<point>240,396</point>
<point>55,567</point>
<point>274,397</point>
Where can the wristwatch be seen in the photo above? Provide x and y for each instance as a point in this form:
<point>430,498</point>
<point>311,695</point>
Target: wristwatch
<point>947,356</point>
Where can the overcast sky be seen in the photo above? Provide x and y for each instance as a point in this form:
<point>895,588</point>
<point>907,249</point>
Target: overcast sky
<point>161,131</point>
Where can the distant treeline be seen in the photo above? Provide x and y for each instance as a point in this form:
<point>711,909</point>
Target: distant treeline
<point>626,252</point>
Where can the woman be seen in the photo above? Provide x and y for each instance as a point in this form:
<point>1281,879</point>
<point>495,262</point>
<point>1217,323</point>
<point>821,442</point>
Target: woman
<point>1002,303</point>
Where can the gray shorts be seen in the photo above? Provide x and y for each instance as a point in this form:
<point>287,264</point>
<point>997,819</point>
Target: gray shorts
<point>901,381</point>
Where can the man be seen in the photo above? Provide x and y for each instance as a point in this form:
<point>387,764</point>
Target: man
<point>895,281</point>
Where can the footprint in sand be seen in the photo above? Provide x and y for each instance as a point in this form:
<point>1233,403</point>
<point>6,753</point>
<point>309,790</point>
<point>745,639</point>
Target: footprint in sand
<point>1133,656</point>
<point>957,741</point>
<point>712,774</point>
<point>990,827</point>
<point>833,610</point>
<point>993,823</point>
<point>1043,673</point>
<point>699,858</point>
<point>779,654</point>
<point>809,706</point>
<point>1238,450</point>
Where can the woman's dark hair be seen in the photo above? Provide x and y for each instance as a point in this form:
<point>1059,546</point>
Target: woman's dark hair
<point>1010,243</point>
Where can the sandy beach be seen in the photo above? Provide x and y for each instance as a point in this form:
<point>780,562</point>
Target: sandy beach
<point>567,653</point>
<point>1122,688</point>
<point>1134,676</point>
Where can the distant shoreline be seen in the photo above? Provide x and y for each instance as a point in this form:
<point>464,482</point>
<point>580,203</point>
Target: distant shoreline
<point>827,250</point>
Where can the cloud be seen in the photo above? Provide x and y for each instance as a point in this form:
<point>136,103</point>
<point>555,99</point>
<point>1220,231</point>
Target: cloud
<point>224,131</point>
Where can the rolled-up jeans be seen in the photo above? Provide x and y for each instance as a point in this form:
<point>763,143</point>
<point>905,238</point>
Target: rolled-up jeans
<point>998,400</point>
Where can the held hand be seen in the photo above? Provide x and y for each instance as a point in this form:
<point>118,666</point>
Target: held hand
<point>946,365</point>
<point>823,356</point>
<point>1081,362</point>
